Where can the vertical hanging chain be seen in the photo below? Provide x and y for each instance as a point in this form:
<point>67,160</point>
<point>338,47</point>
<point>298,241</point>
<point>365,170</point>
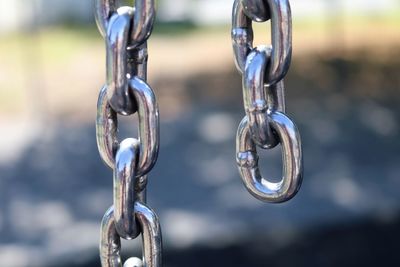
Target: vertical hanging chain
<point>265,124</point>
<point>126,30</point>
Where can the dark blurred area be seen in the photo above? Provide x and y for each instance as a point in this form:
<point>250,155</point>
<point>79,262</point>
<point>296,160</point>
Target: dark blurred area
<point>342,90</point>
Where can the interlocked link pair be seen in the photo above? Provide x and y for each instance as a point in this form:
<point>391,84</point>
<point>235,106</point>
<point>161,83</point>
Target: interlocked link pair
<point>265,124</point>
<point>126,30</point>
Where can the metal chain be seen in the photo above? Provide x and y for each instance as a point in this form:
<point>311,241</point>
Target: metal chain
<point>265,124</point>
<point>126,30</point>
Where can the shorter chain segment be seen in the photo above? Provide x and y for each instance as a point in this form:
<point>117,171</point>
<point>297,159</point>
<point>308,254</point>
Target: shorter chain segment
<point>265,124</point>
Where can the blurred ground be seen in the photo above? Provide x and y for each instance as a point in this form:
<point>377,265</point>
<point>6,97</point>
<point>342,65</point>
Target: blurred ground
<point>342,91</point>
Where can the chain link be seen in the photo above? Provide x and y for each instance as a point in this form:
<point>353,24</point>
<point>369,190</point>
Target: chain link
<point>265,124</point>
<point>110,241</point>
<point>126,30</point>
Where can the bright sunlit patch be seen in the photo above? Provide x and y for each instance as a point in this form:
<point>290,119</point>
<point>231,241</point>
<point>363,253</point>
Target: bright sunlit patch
<point>236,196</point>
<point>19,136</point>
<point>345,192</point>
<point>379,119</point>
<point>18,256</point>
<point>185,228</point>
<point>217,128</point>
<point>79,235</point>
<point>324,130</point>
<point>216,171</point>
<point>95,202</point>
<point>31,218</point>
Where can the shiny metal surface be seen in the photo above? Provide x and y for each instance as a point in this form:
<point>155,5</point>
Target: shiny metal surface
<point>242,35</point>
<point>257,98</point>
<point>265,124</point>
<point>106,129</point>
<point>247,160</point>
<point>124,188</point>
<point>143,18</point>
<point>110,243</point>
<point>126,30</point>
<point>138,62</point>
<point>103,9</point>
<point>256,10</point>
<point>281,37</point>
<point>133,262</point>
<point>143,21</point>
<point>149,135</point>
<point>151,235</point>
<point>117,62</point>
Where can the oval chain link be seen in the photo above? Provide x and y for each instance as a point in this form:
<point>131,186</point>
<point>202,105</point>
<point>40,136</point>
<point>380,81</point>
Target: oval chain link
<point>149,134</point>
<point>126,30</point>
<point>257,99</point>
<point>110,242</point>
<point>265,124</point>
<point>127,188</point>
<point>117,62</point>
<point>247,160</point>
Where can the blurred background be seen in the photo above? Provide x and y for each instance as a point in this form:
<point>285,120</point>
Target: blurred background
<point>342,91</point>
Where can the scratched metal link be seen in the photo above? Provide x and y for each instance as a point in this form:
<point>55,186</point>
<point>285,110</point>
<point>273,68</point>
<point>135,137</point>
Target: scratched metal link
<point>265,124</point>
<point>126,30</point>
